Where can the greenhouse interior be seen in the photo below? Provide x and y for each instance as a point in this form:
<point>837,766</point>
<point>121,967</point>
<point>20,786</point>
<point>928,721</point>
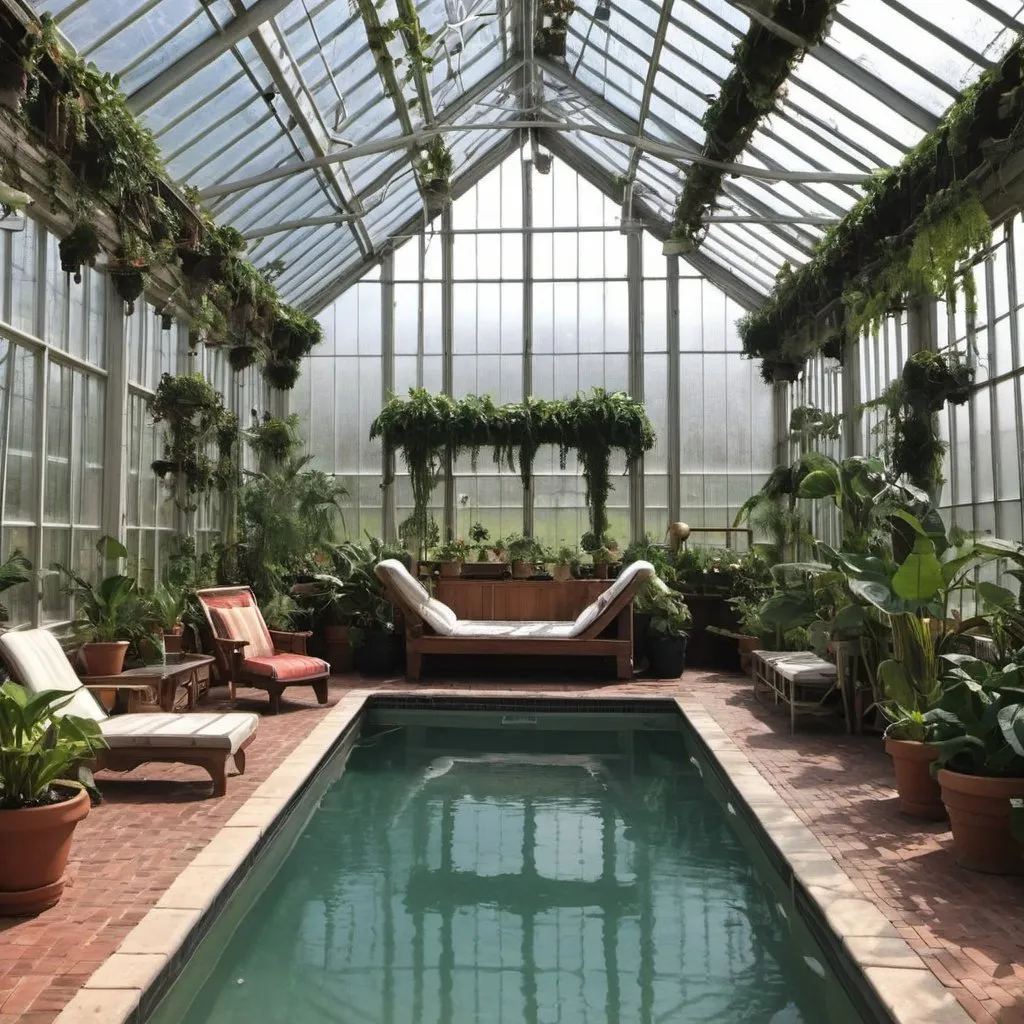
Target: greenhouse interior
<point>511,511</point>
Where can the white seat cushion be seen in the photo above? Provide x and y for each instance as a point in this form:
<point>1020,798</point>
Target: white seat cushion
<point>227,731</point>
<point>37,661</point>
<point>798,666</point>
<point>409,589</point>
<point>592,612</point>
<point>525,630</point>
<point>439,617</point>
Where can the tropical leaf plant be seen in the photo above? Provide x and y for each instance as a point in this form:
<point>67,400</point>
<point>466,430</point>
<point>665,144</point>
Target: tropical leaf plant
<point>41,748</point>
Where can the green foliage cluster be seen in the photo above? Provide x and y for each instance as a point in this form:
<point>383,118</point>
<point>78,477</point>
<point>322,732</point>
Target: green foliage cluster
<point>41,748</point>
<point>83,117</point>
<point>762,62</point>
<point>197,422</point>
<point>909,232</point>
<point>428,429</point>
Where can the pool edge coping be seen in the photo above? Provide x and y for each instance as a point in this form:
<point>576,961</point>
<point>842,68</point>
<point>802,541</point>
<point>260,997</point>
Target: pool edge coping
<point>901,980</point>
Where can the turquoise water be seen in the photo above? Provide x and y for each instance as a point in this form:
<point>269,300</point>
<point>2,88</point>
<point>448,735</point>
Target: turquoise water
<point>461,876</point>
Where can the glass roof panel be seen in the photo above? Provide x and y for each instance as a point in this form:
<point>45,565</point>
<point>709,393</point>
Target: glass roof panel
<point>304,83</point>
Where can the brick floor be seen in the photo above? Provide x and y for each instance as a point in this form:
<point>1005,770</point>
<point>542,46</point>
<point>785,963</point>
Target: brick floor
<point>969,928</point>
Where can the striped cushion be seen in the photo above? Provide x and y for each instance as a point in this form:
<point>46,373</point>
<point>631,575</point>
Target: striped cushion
<point>286,666</point>
<point>244,622</point>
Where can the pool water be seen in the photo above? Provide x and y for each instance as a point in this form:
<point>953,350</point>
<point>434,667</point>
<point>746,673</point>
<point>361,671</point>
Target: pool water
<point>455,876</point>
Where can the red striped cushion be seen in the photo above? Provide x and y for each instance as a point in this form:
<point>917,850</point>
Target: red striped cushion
<point>286,666</point>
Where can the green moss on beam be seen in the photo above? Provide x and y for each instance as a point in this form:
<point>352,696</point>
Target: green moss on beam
<point>763,60</point>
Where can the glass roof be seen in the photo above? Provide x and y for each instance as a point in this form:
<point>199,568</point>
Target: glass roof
<point>244,94</point>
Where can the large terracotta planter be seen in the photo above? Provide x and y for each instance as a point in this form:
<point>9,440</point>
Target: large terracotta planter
<point>601,570</point>
<point>34,847</point>
<point>451,569</point>
<point>920,796</point>
<point>339,648</point>
<point>561,573</point>
<point>979,813</point>
<point>104,659</point>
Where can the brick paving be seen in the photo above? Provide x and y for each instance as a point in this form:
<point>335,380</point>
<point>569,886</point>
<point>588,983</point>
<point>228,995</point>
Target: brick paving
<point>969,928</point>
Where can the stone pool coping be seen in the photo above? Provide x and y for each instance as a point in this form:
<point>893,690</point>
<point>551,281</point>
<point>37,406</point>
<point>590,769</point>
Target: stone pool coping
<point>900,978</point>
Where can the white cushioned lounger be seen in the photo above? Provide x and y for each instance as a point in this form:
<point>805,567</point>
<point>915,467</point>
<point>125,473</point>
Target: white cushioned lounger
<point>433,628</point>
<point>35,660</point>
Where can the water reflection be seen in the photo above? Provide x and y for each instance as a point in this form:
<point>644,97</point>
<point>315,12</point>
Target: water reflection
<point>525,887</point>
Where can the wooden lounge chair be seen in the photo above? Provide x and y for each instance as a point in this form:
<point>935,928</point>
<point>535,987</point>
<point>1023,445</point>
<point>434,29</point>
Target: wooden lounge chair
<point>248,653</point>
<point>36,660</point>
<point>603,628</point>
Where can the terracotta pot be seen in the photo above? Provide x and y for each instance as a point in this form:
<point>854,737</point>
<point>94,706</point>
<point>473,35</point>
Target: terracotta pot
<point>172,641</point>
<point>522,570</point>
<point>339,648</point>
<point>561,573</point>
<point>979,814</point>
<point>451,569</point>
<point>920,796</point>
<point>104,659</point>
<point>34,847</point>
<point>600,570</point>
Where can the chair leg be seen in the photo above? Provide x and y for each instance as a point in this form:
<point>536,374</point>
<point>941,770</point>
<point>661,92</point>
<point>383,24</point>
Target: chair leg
<point>218,769</point>
<point>274,693</point>
<point>624,665</point>
<point>240,761</point>
<point>320,689</point>
<point>413,665</point>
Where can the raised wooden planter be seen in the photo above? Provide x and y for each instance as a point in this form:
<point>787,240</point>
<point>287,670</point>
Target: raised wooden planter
<point>518,600</point>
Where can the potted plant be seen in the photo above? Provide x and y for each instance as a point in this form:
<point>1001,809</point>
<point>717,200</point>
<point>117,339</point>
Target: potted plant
<point>480,536</point>
<point>435,168</point>
<point>168,605</point>
<point>602,558</point>
<point>451,556</point>
<point>110,616</point>
<point>40,805</point>
<point>78,248</point>
<point>524,553</point>
<point>565,562</point>
<point>981,766</point>
<point>551,36</point>
<point>669,621</point>
<point>333,614</point>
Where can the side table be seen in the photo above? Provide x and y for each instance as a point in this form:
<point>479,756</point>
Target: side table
<point>185,670</point>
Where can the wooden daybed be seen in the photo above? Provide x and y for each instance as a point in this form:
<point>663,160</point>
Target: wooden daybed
<point>603,629</point>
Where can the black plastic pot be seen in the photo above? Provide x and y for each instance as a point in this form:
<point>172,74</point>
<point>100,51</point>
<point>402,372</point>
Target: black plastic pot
<point>380,653</point>
<point>666,656</point>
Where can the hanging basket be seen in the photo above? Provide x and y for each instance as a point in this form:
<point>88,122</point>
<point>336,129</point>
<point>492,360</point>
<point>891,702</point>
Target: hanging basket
<point>677,246</point>
<point>129,282</point>
<point>241,357</point>
<point>437,194</point>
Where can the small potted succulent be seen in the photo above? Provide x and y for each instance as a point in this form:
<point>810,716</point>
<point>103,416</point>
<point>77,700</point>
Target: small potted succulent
<point>43,794</point>
<point>524,553</point>
<point>451,556</point>
<point>565,562</point>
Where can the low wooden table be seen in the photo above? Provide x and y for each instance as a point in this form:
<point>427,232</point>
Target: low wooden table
<point>188,670</point>
<point>518,600</point>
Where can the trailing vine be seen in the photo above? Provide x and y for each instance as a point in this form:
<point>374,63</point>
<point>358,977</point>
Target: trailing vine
<point>82,117</point>
<point>928,381</point>
<point>932,185</point>
<point>762,62</point>
<point>428,429</point>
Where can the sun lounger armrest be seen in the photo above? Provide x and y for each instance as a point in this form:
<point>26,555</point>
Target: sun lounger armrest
<point>286,642</point>
<point>232,654</point>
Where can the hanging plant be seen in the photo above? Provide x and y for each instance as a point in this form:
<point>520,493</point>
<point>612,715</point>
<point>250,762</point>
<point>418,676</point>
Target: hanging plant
<point>550,38</point>
<point>435,168</point>
<point>762,62</point>
<point>295,334</point>
<point>194,413</point>
<point>241,357</point>
<point>928,381</point>
<point>129,283</point>
<point>78,248</point>
<point>282,374</point>
<point>855,255</point>
<point>275,440</point>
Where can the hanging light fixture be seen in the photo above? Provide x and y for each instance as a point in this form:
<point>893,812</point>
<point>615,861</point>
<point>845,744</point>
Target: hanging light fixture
<point>603,10</point>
